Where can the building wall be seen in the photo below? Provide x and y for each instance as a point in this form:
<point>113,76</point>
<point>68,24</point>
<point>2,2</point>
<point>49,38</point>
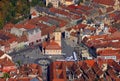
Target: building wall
<point>34,36</point>
<point>7,49</point>
<point>69,2</point>
<point>117,5</point>
<point>13,45</point>
<point>54,2</point>
<point>20,45</point>
<point>73,38</point>
<point>16,32</point>
<point>53,52</point>
<point>67,34</point>
<point>2,48</point>
<point>58,37</point>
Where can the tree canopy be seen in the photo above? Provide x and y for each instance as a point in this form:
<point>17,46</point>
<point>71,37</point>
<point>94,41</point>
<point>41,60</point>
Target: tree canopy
<point>37,2</point>
<point>50,5</point>
<point>16,10</point>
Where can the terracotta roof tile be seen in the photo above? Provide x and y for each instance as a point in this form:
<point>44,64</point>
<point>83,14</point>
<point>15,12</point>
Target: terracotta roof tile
<point>34,13</point>
<point>1,53</point>
<point>19,25</point>
<point>48,30</point>
<point>105,2</point>
<point>89,74</point>
<point>6,62</point>
<point>84,67</point>
<point>29,26</point>
<point>8,26</point>
<point>109,9</point>
<point>112,30</point>
<point>111,73</point>
<point>108,51</point>
<point>53,45</point>
<point>65,13</point>
<point>7,38</point>
<point>90,62</point>
<point>2,79</point>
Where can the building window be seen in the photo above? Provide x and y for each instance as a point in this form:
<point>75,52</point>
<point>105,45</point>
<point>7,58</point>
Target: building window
<point>37,40</point>
<point>31,43</point>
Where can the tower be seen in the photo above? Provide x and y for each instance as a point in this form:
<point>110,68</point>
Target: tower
<point>57,35</point>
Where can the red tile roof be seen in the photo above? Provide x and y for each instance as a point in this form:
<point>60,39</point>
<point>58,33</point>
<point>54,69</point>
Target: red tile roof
<point>98,41</point>
<point>1,53</point>
<point>112,29</point>
<point>108,51</point>
<point>105,2</point>
<point>22,39</point>
<point>110,9</point>
<point>80,7</point>
<point>65,13</point>
<point>29,69</point>
<point>19,25</point>
<point>29,26</point>
<point>6,38</point>
<point>8,26</point>
<point>48,30</point>
<point>87,73</point>
<point>6,62</point>
<point>90,62</point>
<point>2,79</point>
<point>26,26</point>
<point>74,34</point>
<point>34,13</point>
<point>52,45</point>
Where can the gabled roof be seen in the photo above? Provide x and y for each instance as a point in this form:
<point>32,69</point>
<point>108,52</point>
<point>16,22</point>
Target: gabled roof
<point>6,62</point>
<point>83,71</point>
<point>109,9</point>
<point>52,45</point>
<point>1,53</point>
<point>8,26</point>
<point>48,30</point>
<point>29,26</point>
<point>6,38</point>
<point>105,2</point>
<point>108,51</point>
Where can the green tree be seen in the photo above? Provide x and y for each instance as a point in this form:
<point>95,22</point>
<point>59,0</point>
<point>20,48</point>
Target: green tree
<point>10,10</point>
<point>79,1</point>
<point>6,75</point>
<point>41,4</point>
<point>34,2</point>
<point>1,23</point>
<point>14,2</point>
<point>19,63</point>
<point>50,5</point>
